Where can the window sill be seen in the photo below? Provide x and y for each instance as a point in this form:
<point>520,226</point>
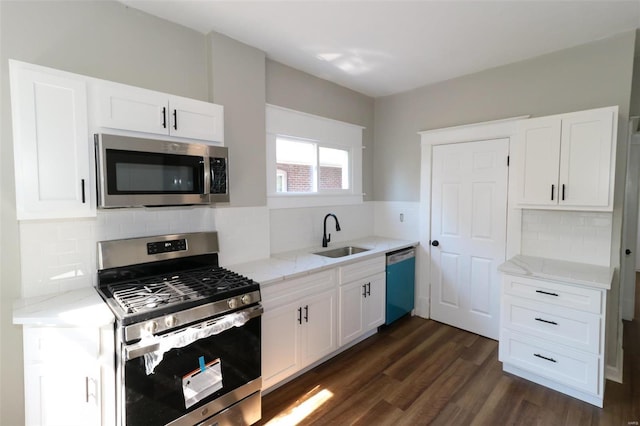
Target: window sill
<point>289,201</point>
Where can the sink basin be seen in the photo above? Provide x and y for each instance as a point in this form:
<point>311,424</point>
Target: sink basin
<point>341,251</point>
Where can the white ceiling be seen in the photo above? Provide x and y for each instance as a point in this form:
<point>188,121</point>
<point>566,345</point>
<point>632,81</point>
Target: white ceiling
<point>385,47</point>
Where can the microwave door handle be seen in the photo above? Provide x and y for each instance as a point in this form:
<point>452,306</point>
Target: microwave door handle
<point>207,176</point>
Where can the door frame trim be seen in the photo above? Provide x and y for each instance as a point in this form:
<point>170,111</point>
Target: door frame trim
<point>497,129</point>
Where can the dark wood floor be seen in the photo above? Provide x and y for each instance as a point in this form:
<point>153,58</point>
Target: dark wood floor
<point>419,372</point>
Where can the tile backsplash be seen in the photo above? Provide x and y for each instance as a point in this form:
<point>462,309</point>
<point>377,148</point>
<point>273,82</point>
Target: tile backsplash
<point>567,235</point>
<point>59,255</point>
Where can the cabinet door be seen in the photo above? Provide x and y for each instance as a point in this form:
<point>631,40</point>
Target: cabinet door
<point>319,334</point>
<point>374,303</point>
<point>51,145</point>
<point>585,158</point>
<point>280,337</point>
<point>195,119</point>
<point>131,108</point>
<point>537,158</point>
<point>350,322</point>
<point>62,395</point>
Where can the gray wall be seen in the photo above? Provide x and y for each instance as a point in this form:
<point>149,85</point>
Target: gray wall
<point>238,83</point>
<point>290,88</point>
<point>90,38</point>
<point>583,77</point>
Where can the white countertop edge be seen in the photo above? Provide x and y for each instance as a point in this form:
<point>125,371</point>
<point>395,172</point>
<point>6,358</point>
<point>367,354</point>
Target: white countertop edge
<point>299,263</point>
<point>584,274</point>
<point>75,308</point>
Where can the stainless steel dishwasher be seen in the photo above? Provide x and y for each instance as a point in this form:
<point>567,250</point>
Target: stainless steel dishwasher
<point>401,266</point>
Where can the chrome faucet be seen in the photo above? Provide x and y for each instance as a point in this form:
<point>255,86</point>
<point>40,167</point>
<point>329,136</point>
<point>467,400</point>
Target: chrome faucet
<point>327,238</point>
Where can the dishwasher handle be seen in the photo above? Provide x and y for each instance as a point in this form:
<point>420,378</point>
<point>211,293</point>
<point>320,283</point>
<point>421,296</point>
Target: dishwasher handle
<point>400,256</point>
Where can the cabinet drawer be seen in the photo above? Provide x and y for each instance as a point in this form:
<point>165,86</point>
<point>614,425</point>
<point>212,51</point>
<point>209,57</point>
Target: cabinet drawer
<point>581,298</point>
<point>362,269</point>
<point>578,329</point>
<point>61,345</point>
<point>291,289</point>
<point>576,369</point>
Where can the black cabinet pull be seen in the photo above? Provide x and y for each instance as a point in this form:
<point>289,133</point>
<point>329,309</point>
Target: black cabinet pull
<point>563,192</point>
<point>547,321</point>
<point>547,293</point>
<point>164,117</point>
<point>84,200</point>
<point>306,313</point>
<point>553,189</point>
<point>364,290</point>
<point>175,119</point>
<point>545,358</point>
<point>300,315</point>
<point>369,289</point>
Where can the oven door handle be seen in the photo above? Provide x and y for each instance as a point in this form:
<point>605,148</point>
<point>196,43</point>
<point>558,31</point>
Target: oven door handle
<point>206,328</point>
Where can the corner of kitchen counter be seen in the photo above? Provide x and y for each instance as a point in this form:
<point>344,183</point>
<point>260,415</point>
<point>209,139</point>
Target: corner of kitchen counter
<point>82,307</point>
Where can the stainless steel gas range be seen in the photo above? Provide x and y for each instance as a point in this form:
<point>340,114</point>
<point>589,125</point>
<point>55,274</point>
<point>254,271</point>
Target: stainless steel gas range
<point>187,332</point>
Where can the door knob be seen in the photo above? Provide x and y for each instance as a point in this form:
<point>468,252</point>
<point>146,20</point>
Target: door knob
<point>435,243</point>
<point>627,252</point>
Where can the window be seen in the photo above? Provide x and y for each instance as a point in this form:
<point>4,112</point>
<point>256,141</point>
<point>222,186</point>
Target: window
<point>311,160</point>
<point>308,167</point>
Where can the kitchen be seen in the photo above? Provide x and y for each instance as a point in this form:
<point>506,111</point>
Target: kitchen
<point>70,37</point>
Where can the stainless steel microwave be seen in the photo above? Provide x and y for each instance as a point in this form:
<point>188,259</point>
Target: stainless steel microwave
<point>136,172</point>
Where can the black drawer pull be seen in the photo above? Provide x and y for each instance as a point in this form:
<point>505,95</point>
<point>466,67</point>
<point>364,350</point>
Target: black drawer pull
<point>553,187</point>
<point>547,293</point>
<point>547,321</point>
<point>545,358</point>
<point>164,117</point>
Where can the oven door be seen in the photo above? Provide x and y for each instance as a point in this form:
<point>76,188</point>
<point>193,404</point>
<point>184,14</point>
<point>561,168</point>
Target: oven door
<point>135,172</point>
<point>219,372</point>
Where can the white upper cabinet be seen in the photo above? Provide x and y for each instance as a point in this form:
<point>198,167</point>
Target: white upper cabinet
<point>567,161</point>
<point>51,143</point>
<point>131,108</point>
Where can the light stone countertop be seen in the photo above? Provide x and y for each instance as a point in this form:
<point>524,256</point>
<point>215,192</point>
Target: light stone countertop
<point>559,270</point>
<point>302,262</point>
<point>76,308</point>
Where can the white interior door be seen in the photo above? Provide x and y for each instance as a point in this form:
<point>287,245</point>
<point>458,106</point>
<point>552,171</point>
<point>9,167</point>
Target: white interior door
<point>468,233</point>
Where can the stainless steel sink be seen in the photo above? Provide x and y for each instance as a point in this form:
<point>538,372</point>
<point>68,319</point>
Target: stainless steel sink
<point>341,251</point>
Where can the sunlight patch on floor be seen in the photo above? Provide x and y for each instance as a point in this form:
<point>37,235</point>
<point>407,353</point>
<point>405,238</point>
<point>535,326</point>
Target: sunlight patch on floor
<point>302,408</point>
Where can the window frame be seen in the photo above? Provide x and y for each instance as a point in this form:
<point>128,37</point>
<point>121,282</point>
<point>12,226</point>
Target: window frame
<point>324,132</point>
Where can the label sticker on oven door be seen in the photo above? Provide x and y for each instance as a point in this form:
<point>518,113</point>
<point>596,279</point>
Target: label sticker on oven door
<point>202,382</point>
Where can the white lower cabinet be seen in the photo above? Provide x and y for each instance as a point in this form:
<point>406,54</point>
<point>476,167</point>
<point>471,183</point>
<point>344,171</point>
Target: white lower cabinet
<point>553,333</point>
<point>298,327</point>
<point>361,307</point>
<point>361,298</point>
<point>68,376</point>
<point>310,318</point>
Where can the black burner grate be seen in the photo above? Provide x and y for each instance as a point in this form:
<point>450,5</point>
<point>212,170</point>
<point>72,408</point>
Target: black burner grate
<point>163,290</point>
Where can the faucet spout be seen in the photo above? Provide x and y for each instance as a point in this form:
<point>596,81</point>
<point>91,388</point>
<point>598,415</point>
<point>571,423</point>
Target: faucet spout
<point>327,238</point>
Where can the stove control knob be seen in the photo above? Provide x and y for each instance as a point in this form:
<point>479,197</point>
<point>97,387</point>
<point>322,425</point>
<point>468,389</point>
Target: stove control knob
<point>233,303</point>
<point>151,327</point>
<point>245,299</point>
<point>171,321</point>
